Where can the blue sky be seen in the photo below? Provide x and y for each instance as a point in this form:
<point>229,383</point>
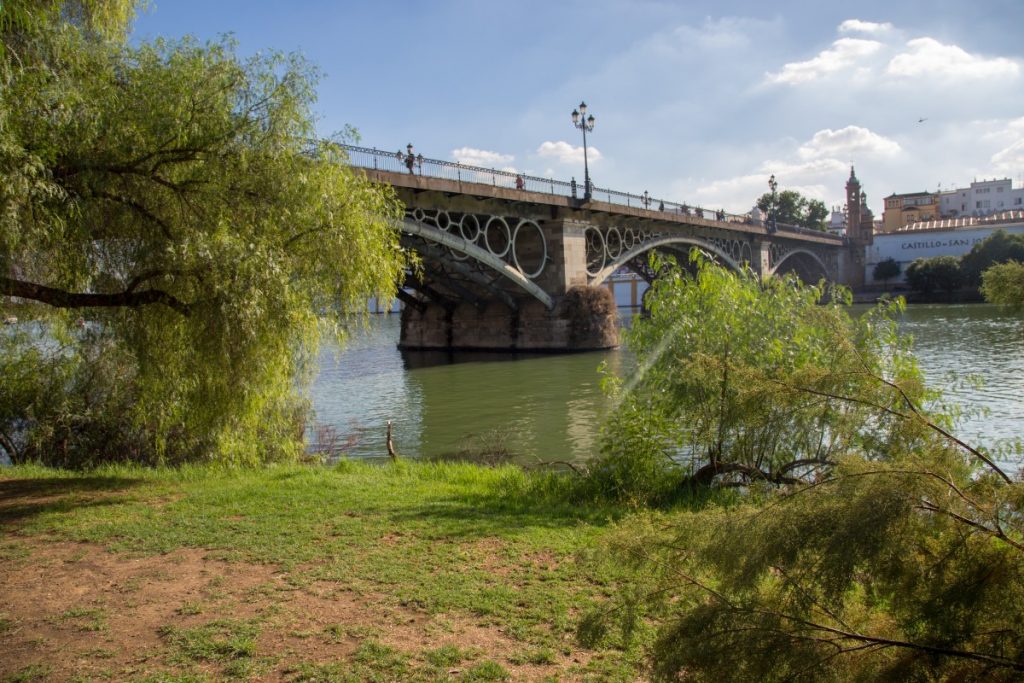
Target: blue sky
<point>695,101</point>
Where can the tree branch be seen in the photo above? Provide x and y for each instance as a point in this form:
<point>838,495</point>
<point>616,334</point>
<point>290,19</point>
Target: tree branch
<point>138,208</point>
<point>915,415</point>
<point>61,298</point>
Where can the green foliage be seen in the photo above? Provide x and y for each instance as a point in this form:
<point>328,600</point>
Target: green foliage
<point>999,247</point>
<point>741,381</point>
<point>169,196</point>
<point>792,208</point>
<point>902,570</point>
<point>902,558</point>
<point>927,275</point>
<point>25,19</point>
<point>886,270</point>
<point>815,214</point>
<point>1003,283</point>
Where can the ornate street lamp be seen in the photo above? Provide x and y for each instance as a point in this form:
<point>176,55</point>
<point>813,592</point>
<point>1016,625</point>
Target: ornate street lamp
<point>584,123</point>
<point>412,160</point>
<point>773,185</point>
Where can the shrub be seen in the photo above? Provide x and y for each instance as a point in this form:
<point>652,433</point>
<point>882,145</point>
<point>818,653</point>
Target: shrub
<point>927,275</point>
<point>999,247</point>
<point>742,381</point>
<point>1003,283</point>
<point>886,270</point>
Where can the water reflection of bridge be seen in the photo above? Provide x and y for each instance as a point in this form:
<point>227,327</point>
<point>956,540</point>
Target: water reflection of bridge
<point>514,262</point>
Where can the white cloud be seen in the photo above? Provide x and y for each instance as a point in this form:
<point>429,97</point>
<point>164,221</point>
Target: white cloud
<point>858,26</point>
<point>566,153</point>
<point>884,57</point>
<point>844,53</point>
<point>481,157</point>
<point>848,142</point>
<point>927,57</point>
<point>1010,159</point>
<point>815,178</point>
<point>727,33</point>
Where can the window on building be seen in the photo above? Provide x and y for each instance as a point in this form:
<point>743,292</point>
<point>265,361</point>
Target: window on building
<point>977,204</point>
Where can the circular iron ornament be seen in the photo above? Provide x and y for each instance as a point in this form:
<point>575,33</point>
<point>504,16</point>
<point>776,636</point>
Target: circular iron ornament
<point>443,220</point>
<point>745,253</point>
<point>629,237</point>
<point>469,227</point>
<point>515,248</point>
<point>418,215</point>
<point>595,250</point>
<point>613,243</point>
<point>499,224</point>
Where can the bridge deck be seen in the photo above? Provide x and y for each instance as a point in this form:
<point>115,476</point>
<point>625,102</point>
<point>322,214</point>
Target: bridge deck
<point>420,183</point>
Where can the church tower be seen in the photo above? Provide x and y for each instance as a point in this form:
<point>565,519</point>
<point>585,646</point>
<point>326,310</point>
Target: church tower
<point>853,204</point>
<point>859,234</point>
<point>859,219</point>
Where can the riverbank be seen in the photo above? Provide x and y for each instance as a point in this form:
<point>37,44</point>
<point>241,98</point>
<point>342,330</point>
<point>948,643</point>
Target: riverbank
<point>407,571</point>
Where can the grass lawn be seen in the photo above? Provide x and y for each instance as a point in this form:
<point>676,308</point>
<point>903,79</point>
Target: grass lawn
<point>401,572</point>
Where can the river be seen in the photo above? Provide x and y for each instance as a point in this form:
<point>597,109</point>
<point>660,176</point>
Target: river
<point>549,407</point>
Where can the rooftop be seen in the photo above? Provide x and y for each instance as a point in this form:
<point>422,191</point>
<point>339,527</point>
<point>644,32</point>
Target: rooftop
<point>1003,217</point>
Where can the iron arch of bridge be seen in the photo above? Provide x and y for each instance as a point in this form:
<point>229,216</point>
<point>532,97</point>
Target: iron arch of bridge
<point>466,248</point>
<point>667,241</point>
<point>795,255</point>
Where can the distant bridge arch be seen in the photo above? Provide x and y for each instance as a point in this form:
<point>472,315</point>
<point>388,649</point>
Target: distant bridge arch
<point>652,244</point>
<point>807,265</point>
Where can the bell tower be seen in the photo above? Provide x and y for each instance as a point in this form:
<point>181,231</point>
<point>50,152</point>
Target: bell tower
<point>853,207</point>
<point>859,233</point>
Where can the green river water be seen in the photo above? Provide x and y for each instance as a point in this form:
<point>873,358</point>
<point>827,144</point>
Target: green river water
<point>549,407</point>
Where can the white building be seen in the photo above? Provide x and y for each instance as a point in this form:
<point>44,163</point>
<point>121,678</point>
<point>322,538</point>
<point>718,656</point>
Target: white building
<point>946,237</point>
<point>837,221</point>
<point>982,198</point>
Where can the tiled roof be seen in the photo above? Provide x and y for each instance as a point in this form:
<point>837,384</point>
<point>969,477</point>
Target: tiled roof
<point>965,222</point>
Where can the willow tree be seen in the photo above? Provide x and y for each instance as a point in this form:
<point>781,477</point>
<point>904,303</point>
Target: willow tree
<point>183,242</point>
<point>737,382</point>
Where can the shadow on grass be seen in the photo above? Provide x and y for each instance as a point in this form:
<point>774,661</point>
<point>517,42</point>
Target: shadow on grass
<point>502,514</point>
<point>21,499</point>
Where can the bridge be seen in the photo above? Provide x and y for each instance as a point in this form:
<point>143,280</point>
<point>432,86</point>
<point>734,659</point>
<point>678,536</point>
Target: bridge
<point>516,262</point>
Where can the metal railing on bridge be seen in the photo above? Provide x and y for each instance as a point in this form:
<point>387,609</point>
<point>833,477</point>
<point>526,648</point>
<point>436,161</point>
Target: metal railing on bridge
<point>400,162</point>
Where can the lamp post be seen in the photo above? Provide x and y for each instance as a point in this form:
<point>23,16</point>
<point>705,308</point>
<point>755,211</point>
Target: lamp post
<point>584,123</point>
<point>412,160</point>
<point>773,185</point>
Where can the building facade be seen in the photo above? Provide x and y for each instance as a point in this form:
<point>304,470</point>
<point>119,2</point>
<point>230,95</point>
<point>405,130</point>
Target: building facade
<point>982,198</point>
<point>902,210</point>
<point>944,237</point>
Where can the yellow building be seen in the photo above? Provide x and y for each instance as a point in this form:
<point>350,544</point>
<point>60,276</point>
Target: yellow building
<point>902,210</point>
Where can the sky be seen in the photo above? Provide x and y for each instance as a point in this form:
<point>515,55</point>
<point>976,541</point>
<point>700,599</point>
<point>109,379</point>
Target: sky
<point>694,101</point>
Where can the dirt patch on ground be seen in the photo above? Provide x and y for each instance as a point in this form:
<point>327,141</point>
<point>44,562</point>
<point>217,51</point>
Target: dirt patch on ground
<point>73,611</point>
